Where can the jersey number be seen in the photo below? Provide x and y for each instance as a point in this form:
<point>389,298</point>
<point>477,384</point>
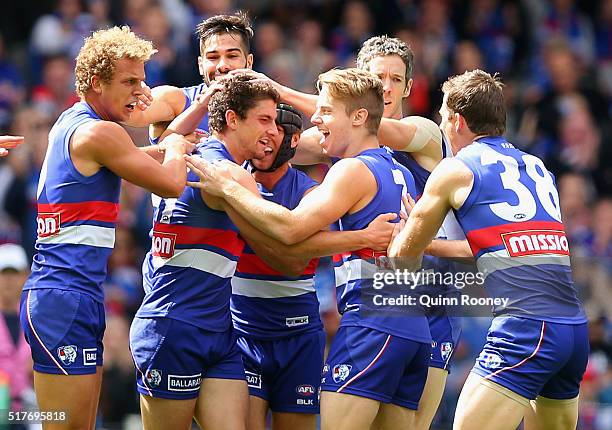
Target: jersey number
<point>526,207</point>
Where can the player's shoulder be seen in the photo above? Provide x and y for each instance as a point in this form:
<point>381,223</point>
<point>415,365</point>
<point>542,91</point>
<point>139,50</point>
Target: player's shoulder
<point>99,131</point>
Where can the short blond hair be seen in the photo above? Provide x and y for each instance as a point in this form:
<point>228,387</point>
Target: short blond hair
<point>102,50</point>
<point>356,89</point>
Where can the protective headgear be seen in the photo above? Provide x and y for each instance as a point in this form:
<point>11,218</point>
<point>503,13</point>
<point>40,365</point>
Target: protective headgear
<point>291,122</point>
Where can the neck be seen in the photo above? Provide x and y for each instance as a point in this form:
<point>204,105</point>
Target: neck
<point>92,102</point>
<point>270,179</point>
<point>232,147</point>
<point>361,144</point>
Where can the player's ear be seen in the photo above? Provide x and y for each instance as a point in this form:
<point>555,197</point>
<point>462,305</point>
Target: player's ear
<point>295,138</point>
<point>249,63</point>
<point>231,119</point>
<point>459,122</point>
<point>201,65</point>
<point>359,116</point>
<point>408,88</point>
<point>96,84</point>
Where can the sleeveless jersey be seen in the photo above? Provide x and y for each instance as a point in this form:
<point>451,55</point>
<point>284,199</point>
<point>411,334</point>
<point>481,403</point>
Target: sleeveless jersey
<point>513,223</point>
<point>76,215</point>
<point>355,271</point>
<point>265,303</point>
<point>191,93</point>
<point>187,273</point>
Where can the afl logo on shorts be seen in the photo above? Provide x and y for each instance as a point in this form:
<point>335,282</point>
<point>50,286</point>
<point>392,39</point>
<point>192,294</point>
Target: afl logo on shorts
<point>67,354</point>
<point>341,371</point>
<point>305,390</point>
<point>163,244</point>
<point>47,224</point>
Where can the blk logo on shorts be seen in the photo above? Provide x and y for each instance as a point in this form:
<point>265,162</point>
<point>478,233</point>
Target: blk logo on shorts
<point>67,354</point>
<point>341,371</point>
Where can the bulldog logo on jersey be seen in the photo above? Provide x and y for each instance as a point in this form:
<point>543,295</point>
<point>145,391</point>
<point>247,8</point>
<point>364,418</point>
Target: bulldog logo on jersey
<point>341,371</point>
<point>162,244</point>
<point>67,354</point>
<point>153,377</point>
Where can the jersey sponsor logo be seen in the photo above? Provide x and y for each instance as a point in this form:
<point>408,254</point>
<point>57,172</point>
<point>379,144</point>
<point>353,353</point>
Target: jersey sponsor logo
<point>67,354</point>
<point>296,321</point>
<point>47,224</point>
<point>153,377</point>
<point>341,371</point>
<point>305,390</point>
<point>446,349</point>
<point>163,244</point>
<point>90,356</point>
<point>253,379</point>
<point>184,382</point>
<point>535,242</point>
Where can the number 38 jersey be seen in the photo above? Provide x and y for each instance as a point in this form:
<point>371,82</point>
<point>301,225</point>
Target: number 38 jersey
<point>512,221</point>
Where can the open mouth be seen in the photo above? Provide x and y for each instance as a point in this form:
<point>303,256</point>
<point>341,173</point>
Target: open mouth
<point>387,103</point>
<point>267,146</point>
<point>131,106</point>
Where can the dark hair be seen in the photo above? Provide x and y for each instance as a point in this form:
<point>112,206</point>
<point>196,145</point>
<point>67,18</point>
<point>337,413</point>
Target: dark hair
<point>379,46</point>
<point>240,95</point>
<point>238,23</point>
<point>479,98</point>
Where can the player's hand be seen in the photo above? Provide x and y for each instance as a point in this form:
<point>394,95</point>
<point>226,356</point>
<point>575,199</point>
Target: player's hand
<point>9,142</point>
<point>145,98</point>
<point>213,176</point>
<point>407,204</point>
<point>178,142</point>
<point>257,77</point>
<point>379,231</point>
<point>204,97</point>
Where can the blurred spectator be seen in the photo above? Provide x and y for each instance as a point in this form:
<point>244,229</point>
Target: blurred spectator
<point>311,57</point>
<point>12,91</point>
<point>154,26</point>
<point>466,57</point>
<point>14,351</point>
<point>356,27</point>
<point>56,92</point>
<point>100,13</point>
<point>63,31</point>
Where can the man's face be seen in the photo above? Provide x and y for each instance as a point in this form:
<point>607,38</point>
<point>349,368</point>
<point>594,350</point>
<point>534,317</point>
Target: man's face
<point>333,122</point>
<point>392,71</point>
<point>118,97</point>
<point>11,283</point>
<point>270,151</point>
<point>221,53</point>
<point>258,130</point>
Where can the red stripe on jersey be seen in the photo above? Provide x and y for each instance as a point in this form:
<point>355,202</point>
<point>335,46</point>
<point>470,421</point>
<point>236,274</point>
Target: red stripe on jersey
<point>227,240</point>
<point>253,265</point>
<point>82,211</point>
<point>492,236</point>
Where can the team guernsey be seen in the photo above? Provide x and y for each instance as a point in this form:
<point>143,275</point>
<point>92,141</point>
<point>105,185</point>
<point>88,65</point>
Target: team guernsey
<point>444,324</point>
<point>380,353</point>
<point>182,331</point>
<point>537,343</point>
<point>62,311</point>
<point>277,316</point>
<point>191,93</point>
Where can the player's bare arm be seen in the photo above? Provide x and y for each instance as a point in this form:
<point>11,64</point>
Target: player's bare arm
<point>292,259</point>
<point>9,142</point>
<point>458,250</point>
<point>448,186</point>
<point>104,143</point>
<point>164,104</point>
<point>415,134</point>
<point>349,184</point>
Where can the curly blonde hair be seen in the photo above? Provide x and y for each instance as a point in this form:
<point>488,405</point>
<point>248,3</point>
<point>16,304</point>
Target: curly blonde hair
<point>102,50</point>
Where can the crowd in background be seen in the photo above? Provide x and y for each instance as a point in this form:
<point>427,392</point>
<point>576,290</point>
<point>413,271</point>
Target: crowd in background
<point>555,58</point>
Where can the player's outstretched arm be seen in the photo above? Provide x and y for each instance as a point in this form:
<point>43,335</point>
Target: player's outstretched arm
<point>345,184</point>
<point>163,103</point>
<point>458,250</point>
<point>9,142</point>
<point>414,134</point>
<point>304,102</point>
<point>447,188</point>
<point>106,144</point>
<point>293,259</point>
